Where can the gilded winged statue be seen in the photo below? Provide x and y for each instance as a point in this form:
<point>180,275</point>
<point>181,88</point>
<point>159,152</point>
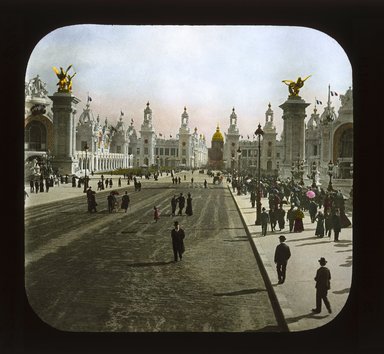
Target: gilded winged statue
<point>294,87</point>
<point>65,80</point>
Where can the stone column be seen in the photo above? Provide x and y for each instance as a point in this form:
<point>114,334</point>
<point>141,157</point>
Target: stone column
<point>294,131</point>
<point>64,130</point>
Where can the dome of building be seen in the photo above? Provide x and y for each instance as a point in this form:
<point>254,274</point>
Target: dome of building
<point>218,136</point>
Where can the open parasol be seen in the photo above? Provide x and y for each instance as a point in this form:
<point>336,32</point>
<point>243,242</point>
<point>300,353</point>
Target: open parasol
<point>311,194</point>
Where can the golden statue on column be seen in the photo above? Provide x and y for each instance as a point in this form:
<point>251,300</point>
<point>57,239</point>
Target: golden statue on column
<point>65,80</point>
<point>294,87</point>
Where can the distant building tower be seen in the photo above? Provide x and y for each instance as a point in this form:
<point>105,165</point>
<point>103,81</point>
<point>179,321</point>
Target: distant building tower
<point>268,158</point>
<point>185,145</point>
<point>148,140</point>
<point>216,152</point>
<point>231,142</point>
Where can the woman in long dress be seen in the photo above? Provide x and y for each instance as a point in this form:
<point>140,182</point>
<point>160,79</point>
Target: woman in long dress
<point>188,210</point>
<point>320,224</point>
<point>299,216</point>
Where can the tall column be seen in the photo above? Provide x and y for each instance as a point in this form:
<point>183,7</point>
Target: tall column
<point>64,112</point>
<point>294,131</point>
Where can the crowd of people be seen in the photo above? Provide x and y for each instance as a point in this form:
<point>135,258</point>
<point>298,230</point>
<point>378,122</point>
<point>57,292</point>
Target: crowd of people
<point>326,208</point>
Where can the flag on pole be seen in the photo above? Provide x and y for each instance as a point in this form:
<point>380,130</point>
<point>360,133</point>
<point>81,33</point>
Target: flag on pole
<point>89,99</point>
<point>121,112</point>
<point>318,102</point>
<point>334,93</point>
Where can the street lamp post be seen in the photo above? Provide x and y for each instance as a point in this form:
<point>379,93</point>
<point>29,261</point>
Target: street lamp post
<point>85,168</point>
<point>239,163</point>
<point>314,171</point>
<point>330,174</point>
<point>259,133</point>
<point>300,168</point>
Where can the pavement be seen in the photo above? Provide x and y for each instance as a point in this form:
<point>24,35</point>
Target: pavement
<point>296,297</point>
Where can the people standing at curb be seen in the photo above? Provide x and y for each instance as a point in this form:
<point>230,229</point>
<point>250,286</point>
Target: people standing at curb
<point>336,224</point>
<point>291,217</point>
<point>125,201</point>
<point>282,254</point>
<point>272,218</point>
<point>280,215</point>
<point>328,223</point>
<point>264,221</point>
<point>319,224</point>
<point>323,284</point>
<point>298,224</point>
<point>177,235</point>
<point>312,208</point>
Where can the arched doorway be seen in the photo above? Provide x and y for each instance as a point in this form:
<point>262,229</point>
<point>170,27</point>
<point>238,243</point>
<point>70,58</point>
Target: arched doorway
<point>343,150</point>
<point>35,136</point>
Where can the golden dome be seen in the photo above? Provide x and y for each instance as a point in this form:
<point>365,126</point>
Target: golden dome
<point>218,136</point>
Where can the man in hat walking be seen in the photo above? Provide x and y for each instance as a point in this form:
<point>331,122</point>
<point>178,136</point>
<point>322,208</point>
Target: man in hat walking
<point>282,254</point>
<point>323,284</point>
<point>264,221</point>
<point>177,235</point>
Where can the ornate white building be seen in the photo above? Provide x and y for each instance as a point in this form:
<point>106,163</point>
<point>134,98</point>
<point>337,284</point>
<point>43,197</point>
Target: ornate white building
<point>102,146</point>
<point>52,127</point>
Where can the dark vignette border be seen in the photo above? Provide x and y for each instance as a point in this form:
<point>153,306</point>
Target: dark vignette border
<point>355,24</point>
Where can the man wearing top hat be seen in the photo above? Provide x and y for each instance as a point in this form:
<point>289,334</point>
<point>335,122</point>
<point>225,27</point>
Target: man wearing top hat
<point>177,235</point>
<point>323,284</point>
<point>282,254</point>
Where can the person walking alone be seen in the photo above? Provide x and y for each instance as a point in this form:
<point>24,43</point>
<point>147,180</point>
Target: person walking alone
<point>125,201</point>
<point>264,221</point>
<point>323,284</point>
<point>188,209</point>
<point>156,213</point>
<point>177,235</point>
<point>282,254</point>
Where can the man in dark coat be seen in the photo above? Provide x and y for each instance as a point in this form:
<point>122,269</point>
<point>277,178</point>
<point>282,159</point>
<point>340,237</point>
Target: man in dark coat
<point>125,201</point>
<point>177,235</point>
<point>312,208</point>
<point>264,221</point>
<point>323,284</point>
<point>188,209</point>
<point>336,224</point>
<point>173,205</point>
<point>181,201</point>
<point>282,254</point>
<point>291,217</point>
<point>111,202</point>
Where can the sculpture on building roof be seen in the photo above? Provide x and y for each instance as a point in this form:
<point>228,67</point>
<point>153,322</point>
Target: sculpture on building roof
<point>65,80</point>
<point>294,87</point>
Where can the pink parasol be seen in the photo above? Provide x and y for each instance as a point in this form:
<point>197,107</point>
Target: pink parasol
<point>311,194</point>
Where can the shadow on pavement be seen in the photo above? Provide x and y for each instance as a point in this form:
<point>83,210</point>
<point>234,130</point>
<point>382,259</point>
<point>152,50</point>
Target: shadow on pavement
<point>149,264</point>
<point>340,292</point>
<point>267,329</point>
<point>307,315</point>
<point>241,292</point>
<point>312,243</point>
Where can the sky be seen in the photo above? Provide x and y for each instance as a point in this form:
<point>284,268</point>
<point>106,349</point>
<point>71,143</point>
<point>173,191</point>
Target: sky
<point>207,69</point>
